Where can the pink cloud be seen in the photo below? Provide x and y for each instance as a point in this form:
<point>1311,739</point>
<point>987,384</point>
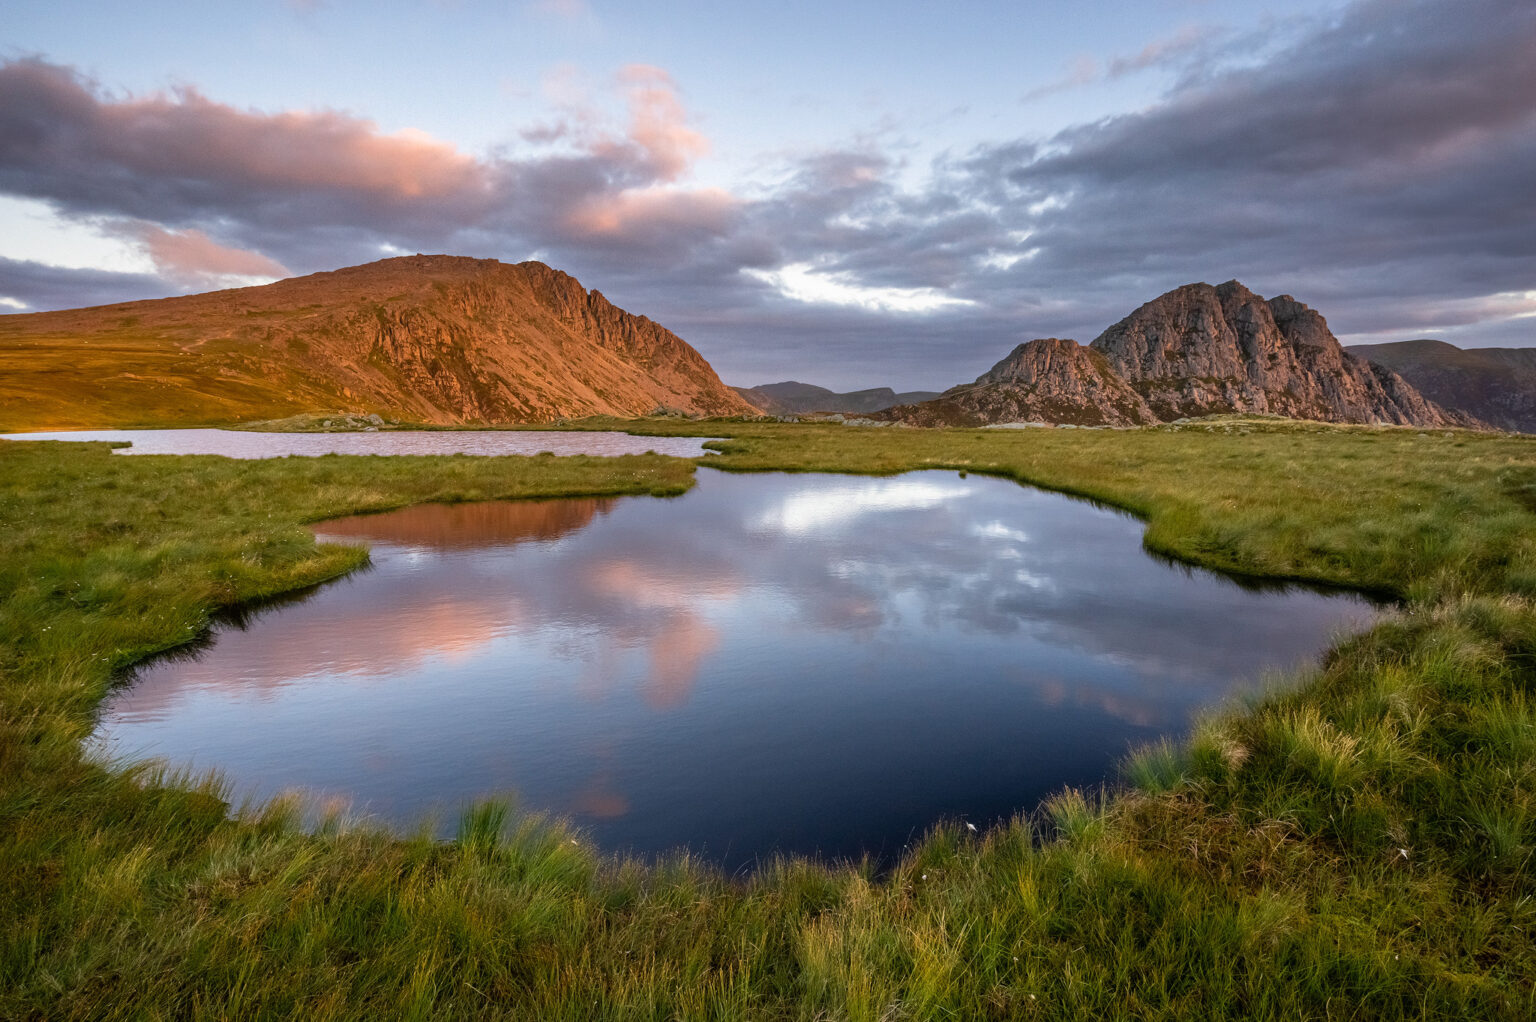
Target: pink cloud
<point>657,139</point>
<point>57,123</point>
<point>643,212</point>
<point>191,257</point>
<point>181,160</point>
<point>658,122</point>
<point>297,149</point>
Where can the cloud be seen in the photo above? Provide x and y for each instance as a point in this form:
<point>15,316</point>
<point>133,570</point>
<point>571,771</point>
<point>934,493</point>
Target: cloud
<point>1374,162</point>
<point>658,123</point>
<point>1374,166</point>
<point>193,259</point>
<point>39,286</point>
<point>802,283</point>
<point>1370,165</point>
<point>61,140</point>
<point>1178,50</point>
<point>310,187</point>
<point>1172,49</point>
<point>655,216</point>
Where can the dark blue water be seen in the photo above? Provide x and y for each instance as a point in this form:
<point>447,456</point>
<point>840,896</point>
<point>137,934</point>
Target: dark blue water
<point>800,663</point>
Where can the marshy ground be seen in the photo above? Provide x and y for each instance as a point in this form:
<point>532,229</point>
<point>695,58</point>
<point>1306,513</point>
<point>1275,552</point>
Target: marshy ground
<point>1357,844</point>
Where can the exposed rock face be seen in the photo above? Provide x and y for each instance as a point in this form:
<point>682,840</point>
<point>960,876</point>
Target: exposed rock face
<point>1197,350</point>
<point>1200,349</point>
<point>429,338</point>
<point>791,397</point>
<point>1045,380</point>
<point>1497,385</point>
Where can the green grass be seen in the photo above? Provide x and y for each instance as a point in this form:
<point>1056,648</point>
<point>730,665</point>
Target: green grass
<point>1356,844</point>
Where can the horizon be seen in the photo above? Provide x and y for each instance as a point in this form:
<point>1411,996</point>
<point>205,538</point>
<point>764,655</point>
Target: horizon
<point>807,191</point>
<point>739,386</point>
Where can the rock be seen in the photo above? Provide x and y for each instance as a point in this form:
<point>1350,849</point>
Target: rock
<point>1046,380</point>
<point>1199,350</point>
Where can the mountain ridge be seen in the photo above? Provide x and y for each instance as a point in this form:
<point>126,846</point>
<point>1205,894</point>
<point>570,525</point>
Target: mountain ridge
<point>437,339</point>
<point>1049,379</point>
<point>1196,350</point>
<point>1496,385</point>
<point>793,397</point>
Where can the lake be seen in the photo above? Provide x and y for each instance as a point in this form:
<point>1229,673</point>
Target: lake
<point>236,443</point>
<point>771,662</point>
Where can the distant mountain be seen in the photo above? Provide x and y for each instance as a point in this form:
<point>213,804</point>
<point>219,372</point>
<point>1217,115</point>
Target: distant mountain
<point>1045,380</point>
<point>1197,350</point>
<point>790,397</point>
<point>1497,385</point>
<point>439,339</point>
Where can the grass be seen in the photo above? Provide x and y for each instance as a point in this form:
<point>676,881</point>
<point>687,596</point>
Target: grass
<point>1356,844</point>
<point>127,375</point>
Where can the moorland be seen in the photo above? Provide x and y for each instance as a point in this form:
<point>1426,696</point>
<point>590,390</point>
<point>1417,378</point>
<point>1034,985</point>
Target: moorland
<point>1353,843</point>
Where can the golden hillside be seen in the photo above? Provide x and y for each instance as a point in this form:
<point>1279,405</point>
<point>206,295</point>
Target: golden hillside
<point>438,339</point>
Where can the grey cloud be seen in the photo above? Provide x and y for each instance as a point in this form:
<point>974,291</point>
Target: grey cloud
<point>1376,165</point>
<point>41,286</point>
<point>311,188</point>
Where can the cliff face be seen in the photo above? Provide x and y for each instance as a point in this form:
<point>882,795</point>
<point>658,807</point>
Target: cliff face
<point>1497,385</point>
<point>1200,349</point>
<point>1197,350</point>
<point>1045,380</point>
<point>430,338</point>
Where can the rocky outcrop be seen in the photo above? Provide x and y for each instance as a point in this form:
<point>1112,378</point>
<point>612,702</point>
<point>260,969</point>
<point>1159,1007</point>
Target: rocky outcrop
<point>478,340</point>
<point>1045,380</point>
<point>1496,385</point>
<point>1200,350</point>
<point>436,339</point>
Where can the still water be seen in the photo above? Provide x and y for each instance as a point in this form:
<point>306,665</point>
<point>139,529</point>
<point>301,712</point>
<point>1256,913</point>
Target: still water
<point>801,663</point>
<point>236,443</point>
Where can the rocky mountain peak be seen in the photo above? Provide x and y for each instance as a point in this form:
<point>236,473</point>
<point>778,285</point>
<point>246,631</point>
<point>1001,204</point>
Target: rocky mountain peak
<point>1033,360</point>
<point>1199,349</point>
<point>1050,379</point>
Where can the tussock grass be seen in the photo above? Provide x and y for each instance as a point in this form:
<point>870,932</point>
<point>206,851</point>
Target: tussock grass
<point>1355,844</point>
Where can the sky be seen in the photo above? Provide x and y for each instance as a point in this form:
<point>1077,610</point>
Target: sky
<point>852,194</point>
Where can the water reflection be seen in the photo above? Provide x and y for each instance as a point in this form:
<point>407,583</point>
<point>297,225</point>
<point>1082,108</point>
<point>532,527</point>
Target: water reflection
<point>770,661</point>
<point>834,507</point>
<point>466,526</point>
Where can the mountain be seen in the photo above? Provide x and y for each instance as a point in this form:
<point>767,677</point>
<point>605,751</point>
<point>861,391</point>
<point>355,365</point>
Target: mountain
<point>1197,350</point>
<point>1045,380</point>
<point>790,397</point>
<point>439,339</point>
<point>1497,385</point>
<point>1200,349</point>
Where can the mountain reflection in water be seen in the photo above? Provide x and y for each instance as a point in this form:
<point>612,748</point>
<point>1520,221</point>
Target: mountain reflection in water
<point>465,526</point>
<point>770,662</point>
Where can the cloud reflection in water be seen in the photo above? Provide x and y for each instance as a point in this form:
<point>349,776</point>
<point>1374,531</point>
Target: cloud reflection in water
<point>770,661</point>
